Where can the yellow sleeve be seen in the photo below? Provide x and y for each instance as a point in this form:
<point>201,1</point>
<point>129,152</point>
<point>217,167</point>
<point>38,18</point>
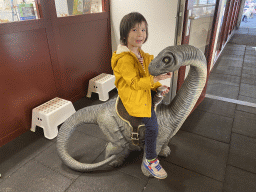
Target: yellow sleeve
<point>154,85</point>
<point>130,73</point>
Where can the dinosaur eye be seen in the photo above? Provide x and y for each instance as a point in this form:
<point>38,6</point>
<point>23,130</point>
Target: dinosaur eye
<point>166,60</point>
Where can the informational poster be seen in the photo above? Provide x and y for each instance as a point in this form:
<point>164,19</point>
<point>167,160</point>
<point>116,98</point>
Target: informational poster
<point>78,7</point>
<point>82,7</point>
<point>26,11</point>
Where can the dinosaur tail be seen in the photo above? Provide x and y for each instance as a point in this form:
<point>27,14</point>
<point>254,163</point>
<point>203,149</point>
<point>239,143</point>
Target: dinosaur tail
<point>85,115</point>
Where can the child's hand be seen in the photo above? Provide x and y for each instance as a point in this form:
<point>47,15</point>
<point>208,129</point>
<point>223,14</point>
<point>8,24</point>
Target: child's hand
<point>166,91</point>
<point>162,77</point>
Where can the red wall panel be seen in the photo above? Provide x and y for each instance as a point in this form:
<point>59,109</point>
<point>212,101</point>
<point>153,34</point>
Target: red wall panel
<point>84,53</point>
<point>26,79</point>
<point>49,57</point>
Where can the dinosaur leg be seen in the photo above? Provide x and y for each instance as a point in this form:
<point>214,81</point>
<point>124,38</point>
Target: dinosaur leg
<point>165,151</point>
<point>122,153</point>
<point>117,143</point>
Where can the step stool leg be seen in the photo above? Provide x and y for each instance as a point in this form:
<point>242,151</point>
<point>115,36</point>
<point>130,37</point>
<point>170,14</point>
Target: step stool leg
<point>89,93</point>
<point>103,96</point>
<point>33,127</point>
<point>50,132</point>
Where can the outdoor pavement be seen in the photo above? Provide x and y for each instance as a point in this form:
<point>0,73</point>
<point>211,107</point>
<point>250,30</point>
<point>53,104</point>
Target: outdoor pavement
<point>214,151</point>
<point>251,23</point>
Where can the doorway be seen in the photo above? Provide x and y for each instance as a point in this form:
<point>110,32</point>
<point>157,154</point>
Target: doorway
<point>248,19</point>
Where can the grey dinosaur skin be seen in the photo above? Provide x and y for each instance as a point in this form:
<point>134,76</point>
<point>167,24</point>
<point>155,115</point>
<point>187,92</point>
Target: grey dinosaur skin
<point>170,117</point>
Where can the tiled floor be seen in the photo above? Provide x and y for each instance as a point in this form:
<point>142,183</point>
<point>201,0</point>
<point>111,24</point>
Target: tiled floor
<point>215,150</point>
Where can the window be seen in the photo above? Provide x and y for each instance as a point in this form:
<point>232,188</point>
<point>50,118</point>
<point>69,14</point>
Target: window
<point>204,2</point>
<point>77,7</point>
<point>17,10</point>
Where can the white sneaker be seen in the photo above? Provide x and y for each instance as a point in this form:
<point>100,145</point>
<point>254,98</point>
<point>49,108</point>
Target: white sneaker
<point>155,169</point>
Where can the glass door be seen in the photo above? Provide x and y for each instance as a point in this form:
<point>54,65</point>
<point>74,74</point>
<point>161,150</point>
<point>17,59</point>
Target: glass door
<point>197,31</point>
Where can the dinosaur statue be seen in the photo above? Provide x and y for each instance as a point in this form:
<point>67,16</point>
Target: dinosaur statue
<point>170,117</point>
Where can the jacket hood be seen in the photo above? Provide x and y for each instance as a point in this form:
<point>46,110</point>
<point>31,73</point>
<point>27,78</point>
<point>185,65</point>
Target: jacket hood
<point>122,48</point>
<point>119,53</point>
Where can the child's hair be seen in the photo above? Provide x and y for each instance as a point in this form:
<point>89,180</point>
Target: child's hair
<point>128,22</point>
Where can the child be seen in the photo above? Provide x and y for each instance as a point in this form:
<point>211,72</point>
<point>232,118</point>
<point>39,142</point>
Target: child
<point>134,83</point>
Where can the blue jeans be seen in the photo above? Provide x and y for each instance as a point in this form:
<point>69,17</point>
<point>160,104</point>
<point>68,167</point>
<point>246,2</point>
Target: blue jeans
<point>151,134</point>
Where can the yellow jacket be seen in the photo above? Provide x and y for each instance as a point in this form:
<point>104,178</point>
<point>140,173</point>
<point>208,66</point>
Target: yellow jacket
<point>134,85</point>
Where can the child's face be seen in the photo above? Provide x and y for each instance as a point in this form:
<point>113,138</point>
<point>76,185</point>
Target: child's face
<point>137,36</point>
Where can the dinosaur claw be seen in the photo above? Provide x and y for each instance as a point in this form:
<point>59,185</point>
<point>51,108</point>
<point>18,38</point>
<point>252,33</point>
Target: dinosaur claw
<point>166,151</point>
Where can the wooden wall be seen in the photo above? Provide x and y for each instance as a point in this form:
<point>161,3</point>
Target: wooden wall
<point>49,57</point>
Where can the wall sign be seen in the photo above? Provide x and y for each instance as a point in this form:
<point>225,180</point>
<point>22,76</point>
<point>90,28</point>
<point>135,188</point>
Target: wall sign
<point>26,11</point>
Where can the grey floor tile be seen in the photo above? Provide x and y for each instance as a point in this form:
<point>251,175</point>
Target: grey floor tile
<point>237,180</point>
<point>250,53</point>
<point>132,165</point>
<point>235,47</point>
<point>247,90</point>
<point>107,181</point>
<point>196,153</point>
<point>250,48</point>
<point>241,31</point>
<point>227,70</point>
<point>216,78</point>
<point>243,152</point>
<point>248,99</point>
<point>35,177</point>
<point>218,107</point>
<point>223,90</point>
<point>92,129</point>
<point>19,151</point>
<point>250,57</point>
<point>81,147</point>
<point>231,52</point>
<point>246,108</point>
<point>231,60</point>
<point>209,125</point>
<point>180,179</point>
<point>51,159</point>
<point>243,39</point>
<point>249,63</point>
<point>245,124</point>
<point>248,78</point>
<point>249,60</point>
<point>249,70</point>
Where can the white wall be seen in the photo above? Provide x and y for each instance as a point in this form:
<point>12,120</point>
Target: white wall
<point>161,18</point>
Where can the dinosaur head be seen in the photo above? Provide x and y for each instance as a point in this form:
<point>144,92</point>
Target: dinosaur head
<point>172,58</point>
<point>164,62</point>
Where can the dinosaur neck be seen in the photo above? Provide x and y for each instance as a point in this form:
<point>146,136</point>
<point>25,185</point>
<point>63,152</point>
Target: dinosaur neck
<point>176,113</point>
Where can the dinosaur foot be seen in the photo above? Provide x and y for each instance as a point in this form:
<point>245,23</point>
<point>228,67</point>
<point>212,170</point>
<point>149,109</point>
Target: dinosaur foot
<point>121,153</point>
<point>166,151</point>
<point>117,162</point>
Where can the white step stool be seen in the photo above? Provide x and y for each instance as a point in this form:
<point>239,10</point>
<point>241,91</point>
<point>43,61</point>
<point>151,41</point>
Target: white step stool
<point>51,114</point>
<point>101,84</point>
